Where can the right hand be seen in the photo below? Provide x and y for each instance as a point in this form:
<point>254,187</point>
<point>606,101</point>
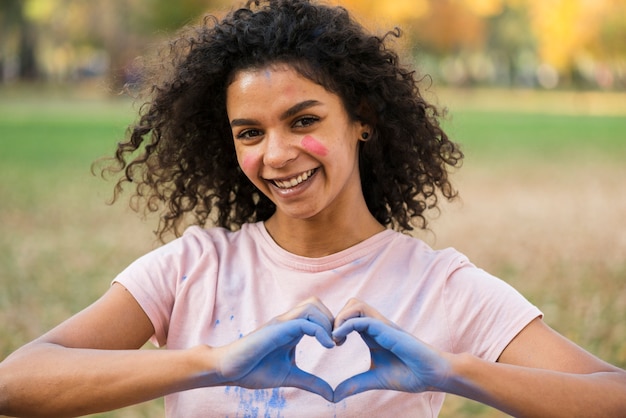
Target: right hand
<point>399,361</point>
<point>266,357</point>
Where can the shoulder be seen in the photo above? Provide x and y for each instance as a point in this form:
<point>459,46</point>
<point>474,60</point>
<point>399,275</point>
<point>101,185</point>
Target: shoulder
<point>196,239</point>
<point>417,252</point>
<point>197,246</point>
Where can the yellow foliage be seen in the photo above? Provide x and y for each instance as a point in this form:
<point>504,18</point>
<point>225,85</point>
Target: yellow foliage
<point>566,28</point>
<point>39,10</point>
<point>400,10</point>
<point>484,8</point>
<point>396,11</point>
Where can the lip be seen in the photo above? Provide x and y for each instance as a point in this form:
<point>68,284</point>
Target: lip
<point>300,182</point>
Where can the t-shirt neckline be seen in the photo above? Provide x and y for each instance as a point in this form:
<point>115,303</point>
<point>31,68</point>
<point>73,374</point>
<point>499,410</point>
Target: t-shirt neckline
<point>329,262</point>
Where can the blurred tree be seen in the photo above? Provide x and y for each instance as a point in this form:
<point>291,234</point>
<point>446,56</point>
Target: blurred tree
<point>80,37</point>
<point>610,48</point>
<point>396,12</point>
<point>167,15</point>
<point>571,32</point>
<point>450,26</point>
<point>511,44</point>
<point>502,41</point>
<point>18,38</point>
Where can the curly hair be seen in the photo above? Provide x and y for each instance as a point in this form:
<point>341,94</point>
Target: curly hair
<point>180,153</point>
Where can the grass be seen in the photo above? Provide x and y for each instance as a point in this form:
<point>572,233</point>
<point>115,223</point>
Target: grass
<point>540,135</point>
<point>542,204</point>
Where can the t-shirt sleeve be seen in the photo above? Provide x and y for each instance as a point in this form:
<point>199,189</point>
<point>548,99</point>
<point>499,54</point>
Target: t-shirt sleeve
<point>484,312</point>
<point>154,278</point>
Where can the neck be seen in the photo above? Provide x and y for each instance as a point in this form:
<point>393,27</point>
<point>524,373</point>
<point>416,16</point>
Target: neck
<point>321,237</point>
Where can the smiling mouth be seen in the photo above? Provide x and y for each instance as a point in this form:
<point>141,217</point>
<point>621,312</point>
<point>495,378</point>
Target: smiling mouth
<point>294,181</point>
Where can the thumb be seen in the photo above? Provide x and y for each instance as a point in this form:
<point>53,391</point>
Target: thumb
<point>300,379</point>
<point>356,384</point>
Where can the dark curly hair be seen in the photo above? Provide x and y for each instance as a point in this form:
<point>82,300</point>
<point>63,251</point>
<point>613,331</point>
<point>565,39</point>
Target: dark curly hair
<point>180,153</point>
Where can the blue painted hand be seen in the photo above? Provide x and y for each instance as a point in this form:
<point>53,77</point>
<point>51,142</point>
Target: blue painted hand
<point>399,361</point>
<point>266,357</point>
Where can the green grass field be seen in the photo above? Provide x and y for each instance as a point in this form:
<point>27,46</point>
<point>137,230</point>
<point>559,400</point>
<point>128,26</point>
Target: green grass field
<point>542,206</point>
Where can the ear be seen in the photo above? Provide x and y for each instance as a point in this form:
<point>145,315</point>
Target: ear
<point>367,116</point>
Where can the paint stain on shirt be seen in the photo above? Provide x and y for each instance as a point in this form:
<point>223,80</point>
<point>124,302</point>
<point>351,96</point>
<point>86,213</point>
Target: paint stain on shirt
<point>257,403</point>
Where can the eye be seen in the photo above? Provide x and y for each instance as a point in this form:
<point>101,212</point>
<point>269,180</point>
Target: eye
<point>305,121</point>
<point>249,134</point>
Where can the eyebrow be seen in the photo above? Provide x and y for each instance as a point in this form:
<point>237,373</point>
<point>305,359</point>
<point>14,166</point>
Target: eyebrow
<point>293,110</point>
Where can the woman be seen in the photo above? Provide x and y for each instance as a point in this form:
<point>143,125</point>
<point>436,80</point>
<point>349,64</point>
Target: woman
<point>309,146</point>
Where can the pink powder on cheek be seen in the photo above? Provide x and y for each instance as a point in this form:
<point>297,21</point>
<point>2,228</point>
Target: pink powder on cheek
<point>248,162</point>
<point>313,145</point>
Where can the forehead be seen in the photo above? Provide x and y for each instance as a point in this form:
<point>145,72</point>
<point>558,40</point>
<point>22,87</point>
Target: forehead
<point>301,68</point>
<point>268,75</point>
<point>272,84</point>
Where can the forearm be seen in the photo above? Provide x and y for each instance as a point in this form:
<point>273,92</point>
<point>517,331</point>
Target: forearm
<point>49,380</point>
<point>528,392</point>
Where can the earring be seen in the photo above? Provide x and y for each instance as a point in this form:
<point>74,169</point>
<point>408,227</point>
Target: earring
<point>365,136</point>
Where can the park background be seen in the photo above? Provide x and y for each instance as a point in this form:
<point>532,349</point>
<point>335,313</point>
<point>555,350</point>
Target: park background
<point>535,91</point>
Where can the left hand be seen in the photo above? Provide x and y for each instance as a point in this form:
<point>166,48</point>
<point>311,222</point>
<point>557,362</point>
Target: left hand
<point>399,361</point>
<point>266,357</point>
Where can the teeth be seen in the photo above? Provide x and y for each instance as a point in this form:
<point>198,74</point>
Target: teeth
<point>286,184</point>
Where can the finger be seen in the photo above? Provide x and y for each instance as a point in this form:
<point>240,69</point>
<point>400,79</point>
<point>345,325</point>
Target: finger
<point>317,317</point>
<point>312,329</point>
<point>352,324</point>
<point>300,379</point>
<point>280,334</point>
<point>312,310</point>
<point>383,334</point>
<point>356,384</point>
<point>355,308</point>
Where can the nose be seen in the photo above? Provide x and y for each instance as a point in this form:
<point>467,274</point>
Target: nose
<point>279,150</point>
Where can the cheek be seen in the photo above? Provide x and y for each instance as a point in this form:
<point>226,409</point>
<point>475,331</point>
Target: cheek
<point>248,162</point>
<point>314,146</point>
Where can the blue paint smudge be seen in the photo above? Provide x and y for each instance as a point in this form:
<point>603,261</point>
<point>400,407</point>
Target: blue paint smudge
<point>232,317</point>
<point>182,279</point>
<point>277,401</point>
<point>217,322</point>
<point>261,402</point>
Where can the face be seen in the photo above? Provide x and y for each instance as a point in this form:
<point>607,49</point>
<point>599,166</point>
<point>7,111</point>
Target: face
<point>295,142</point>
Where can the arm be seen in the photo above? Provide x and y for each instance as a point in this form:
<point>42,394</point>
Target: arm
<point>539,374</point>
<point>90,363</point>
<point>542,374</point>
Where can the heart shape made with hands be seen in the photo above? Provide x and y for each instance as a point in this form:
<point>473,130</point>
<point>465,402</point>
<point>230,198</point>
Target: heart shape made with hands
<point>375,354</point>
<point>391,359</point>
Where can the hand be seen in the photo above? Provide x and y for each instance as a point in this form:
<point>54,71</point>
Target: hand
<point>266,357</point>
<point>399,361</point>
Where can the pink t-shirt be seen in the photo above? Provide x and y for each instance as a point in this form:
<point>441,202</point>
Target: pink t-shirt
<point>214,286</point>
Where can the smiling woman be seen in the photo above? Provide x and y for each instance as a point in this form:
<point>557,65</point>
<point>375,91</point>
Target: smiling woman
<point>305,141</point>
<point>274,114</point>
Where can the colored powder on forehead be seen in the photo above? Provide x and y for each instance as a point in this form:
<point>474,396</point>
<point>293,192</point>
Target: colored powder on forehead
<point>313,145</point>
